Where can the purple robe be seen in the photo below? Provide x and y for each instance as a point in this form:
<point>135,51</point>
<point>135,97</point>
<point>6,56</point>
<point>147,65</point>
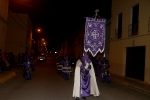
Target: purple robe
<point>60,71</point>
<point>66,75</point>
<point>98,67</point>
<point>85,76</point>
<point>85,82</point>
<point>27,69</point>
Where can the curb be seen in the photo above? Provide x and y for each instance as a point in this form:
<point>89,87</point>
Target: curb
<point>133,87</point>
<point>140,89</point>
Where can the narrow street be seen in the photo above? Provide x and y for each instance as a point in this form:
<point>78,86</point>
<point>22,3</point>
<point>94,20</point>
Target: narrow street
<point>46,84</point>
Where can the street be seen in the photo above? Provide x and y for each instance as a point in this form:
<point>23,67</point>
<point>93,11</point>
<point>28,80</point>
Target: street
<point>46,84</point>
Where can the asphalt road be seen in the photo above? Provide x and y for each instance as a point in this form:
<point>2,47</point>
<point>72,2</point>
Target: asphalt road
<point>46,84</point>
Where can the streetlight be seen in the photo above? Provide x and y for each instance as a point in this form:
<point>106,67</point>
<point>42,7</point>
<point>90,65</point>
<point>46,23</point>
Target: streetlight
<point>39,44</point>
<point>39,30</point>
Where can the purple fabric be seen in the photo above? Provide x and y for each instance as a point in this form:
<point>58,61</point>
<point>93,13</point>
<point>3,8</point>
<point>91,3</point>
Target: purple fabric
<point>85,82</point>
<point>66,61</point>
<point>94,39</point>
<point>27,73</point>
<point>59,72</point>
<point>61,62</point>
<point>65,75</point>
<point>27,63</point>
<point>85,57</point>
<point>66,58</point>
<point>27,69</point>
<point>98,67</point>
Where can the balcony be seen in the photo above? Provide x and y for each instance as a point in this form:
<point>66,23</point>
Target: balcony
<point>118,33</point>
<point>133,29</point>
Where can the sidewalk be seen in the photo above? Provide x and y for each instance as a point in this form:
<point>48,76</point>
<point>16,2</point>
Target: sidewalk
<point>139,85</point>
<point>4,76</point>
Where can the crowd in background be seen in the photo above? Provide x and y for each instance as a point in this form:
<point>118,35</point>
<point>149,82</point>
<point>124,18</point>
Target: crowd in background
<point>100,64</point>
<point>22,57</point>
<point>6,61</point>
<point>65,66</point>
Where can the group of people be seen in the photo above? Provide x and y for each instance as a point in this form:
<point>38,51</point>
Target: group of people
<point>84,76</point>
<point>64,67</point>
<point>102,70</point>
<point>6,60</point>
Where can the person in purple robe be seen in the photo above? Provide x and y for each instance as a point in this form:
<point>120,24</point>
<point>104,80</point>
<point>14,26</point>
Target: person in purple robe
<point>65,72</point>
<point>105,74</point>
<point>98,67</point>
<point>59,66</point>
<point>84,79</point>
<point>27,69</point>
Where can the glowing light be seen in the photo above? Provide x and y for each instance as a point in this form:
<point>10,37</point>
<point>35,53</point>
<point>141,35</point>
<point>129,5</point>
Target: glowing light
<point>39,30</point>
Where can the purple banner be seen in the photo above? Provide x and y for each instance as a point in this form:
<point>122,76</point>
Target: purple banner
<point>94,39</point>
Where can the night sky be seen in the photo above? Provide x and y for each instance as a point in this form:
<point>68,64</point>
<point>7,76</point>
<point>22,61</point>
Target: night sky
<point>58,19</point>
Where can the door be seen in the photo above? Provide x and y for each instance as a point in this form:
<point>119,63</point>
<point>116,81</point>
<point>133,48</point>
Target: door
<point>135,62</point>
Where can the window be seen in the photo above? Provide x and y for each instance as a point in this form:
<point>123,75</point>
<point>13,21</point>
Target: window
<point>119,27</point>
<point>134,27</point>
<point>149,24</point>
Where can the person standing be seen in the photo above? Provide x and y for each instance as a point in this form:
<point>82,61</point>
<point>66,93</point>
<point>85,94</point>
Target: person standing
<point>27,69</point>
<point>65,68</point>
<point>84,79</point>
<point>5,60</point>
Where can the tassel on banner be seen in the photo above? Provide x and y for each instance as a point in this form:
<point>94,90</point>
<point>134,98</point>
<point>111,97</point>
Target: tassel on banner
<point>104,54</point>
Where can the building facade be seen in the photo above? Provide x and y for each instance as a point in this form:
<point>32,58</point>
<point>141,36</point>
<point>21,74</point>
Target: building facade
<point>79,42</point>
<point>19,34</point>
<point>3,22</point>
<point>64,49</point>
<point>129,39</point>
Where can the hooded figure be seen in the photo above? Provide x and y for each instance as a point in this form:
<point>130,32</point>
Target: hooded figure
<point>66,66</point>
<point>84,80</point>
<point>27,69</point>
<point>66,61</point>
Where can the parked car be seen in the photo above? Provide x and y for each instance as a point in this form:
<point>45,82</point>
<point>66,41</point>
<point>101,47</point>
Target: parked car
<point>42,57</point>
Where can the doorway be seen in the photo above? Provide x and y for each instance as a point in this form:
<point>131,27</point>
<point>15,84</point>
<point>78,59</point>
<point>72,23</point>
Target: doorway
<point>135,62</point>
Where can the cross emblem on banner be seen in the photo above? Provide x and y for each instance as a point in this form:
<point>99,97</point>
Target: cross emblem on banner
<point>95,34</point>
<point>94,39</point>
